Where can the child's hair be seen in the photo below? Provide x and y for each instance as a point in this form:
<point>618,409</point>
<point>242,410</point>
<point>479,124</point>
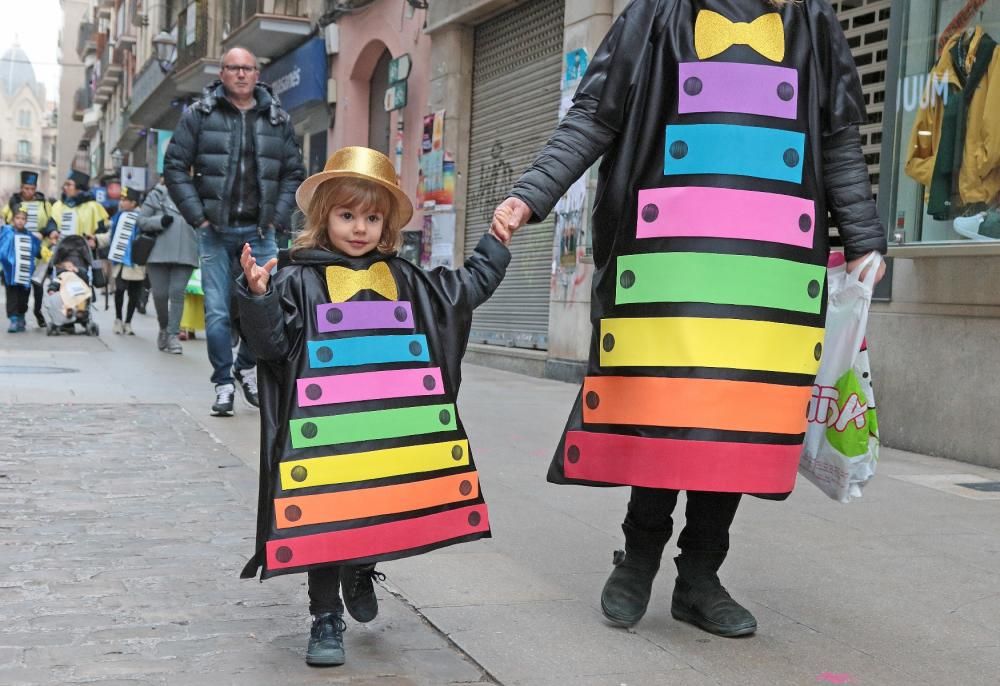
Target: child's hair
<point>366,196</point>
<point>21,211</point>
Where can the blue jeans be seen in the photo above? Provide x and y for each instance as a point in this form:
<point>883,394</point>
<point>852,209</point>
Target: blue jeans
<point>219,252</point>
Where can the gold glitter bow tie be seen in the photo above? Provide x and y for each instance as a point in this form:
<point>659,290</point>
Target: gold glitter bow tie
<point>344,283</point>
<point>713,34</point>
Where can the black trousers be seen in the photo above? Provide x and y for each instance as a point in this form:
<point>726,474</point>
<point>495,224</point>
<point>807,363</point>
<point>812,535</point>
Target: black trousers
<point>134,289</point>
<point>17,300</point>
<point>704,541</point>
<point>38,293</point>
<point>324,591</point>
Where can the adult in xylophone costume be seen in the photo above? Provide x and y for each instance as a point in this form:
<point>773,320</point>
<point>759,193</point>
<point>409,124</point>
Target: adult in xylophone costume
<point>728,130</point>
<point>363,455</point>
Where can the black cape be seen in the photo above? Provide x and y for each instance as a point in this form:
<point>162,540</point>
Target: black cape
<point>363,456</point>
<point>710,239</point>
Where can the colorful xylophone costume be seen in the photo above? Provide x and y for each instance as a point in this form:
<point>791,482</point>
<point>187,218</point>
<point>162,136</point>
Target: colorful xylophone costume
<point>363,454</point>
<point>710,238</point>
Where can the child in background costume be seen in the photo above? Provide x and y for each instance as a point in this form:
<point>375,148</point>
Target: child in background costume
<point>363,455</point>
<point>128,277</point>
<point>728,130</point>
<point>19,248</point>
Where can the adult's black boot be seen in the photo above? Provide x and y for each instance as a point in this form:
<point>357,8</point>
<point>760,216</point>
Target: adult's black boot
<point>626,592</point>
<point>700,598</point>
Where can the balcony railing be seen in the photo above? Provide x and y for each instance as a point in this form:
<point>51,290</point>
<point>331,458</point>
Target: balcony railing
<point>192,34</point>
<point>86,39</point>
<point>240,11</point>
<point>28,160</point>
<point>83,99</point>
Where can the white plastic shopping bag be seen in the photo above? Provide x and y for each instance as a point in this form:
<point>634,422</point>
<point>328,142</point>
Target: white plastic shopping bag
<point>841,446</point>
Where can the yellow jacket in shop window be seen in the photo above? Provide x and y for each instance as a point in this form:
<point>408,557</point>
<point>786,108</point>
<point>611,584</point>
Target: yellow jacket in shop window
<point>979,175</point>
<point>80,215</point>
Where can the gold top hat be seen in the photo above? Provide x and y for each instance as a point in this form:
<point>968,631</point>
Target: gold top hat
<point>359,163</point>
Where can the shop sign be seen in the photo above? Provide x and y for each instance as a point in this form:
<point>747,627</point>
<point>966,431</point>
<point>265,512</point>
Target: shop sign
<point>399,69</point>
<point>395,97</point>
<point>299,78</point>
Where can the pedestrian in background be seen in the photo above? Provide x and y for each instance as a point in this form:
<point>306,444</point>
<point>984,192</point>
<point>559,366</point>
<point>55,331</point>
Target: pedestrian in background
<point>128,276</point>
<point>170,264</point>
<point>728,129</point>
<point>19,248</point>
<point>328,312</point>
<point>232,168</point>
<point>77,212</point>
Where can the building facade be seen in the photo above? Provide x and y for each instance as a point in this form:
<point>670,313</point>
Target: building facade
<point>27,134</point>
<point>72,96</point>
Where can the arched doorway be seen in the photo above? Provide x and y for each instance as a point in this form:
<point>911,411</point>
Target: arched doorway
<point>378,119</point>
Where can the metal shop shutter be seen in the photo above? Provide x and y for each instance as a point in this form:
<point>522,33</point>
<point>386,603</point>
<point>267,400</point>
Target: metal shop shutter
<point>515,108</point>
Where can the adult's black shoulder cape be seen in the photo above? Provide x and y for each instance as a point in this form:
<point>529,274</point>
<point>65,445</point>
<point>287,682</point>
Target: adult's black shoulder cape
<point>728,132</point>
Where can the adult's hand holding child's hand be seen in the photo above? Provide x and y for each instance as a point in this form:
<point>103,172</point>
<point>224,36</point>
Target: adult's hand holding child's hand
<point>257,276</point>
<point>508,217</point>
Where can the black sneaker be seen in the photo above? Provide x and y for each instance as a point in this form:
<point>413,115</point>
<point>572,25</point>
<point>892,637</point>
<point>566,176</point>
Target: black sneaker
<point>247,379</point>
<point>223,406</point>
<point>326,641</point>
<point>357,583</point>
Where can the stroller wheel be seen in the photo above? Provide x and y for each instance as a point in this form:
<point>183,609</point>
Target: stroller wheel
<point>52,330</point>
<point>92,328</point>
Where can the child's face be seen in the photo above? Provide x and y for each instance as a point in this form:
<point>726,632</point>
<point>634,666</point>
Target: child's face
<point>354,231</point>
<point>19,221</point>
<point>126,204</point>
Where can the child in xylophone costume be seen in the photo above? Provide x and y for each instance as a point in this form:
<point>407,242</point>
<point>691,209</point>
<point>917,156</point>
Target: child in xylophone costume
<point>363,455</point>
<point>19,248</point>
<point>129,277</point>
<point>728,130</point>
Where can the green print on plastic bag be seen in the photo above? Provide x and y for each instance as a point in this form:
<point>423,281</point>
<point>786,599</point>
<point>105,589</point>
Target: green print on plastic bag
<point>856,421</point>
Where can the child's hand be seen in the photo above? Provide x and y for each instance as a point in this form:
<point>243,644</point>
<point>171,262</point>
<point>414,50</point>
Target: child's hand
<point>257,277</point>
<point>500,227</point>
<point>508,217</point>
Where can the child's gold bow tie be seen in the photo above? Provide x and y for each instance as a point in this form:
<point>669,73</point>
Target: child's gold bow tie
<point>713,34</point>
<point>344,283</point>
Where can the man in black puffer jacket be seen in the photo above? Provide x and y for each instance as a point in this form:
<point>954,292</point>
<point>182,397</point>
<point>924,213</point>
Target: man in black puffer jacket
<point>232,168</point>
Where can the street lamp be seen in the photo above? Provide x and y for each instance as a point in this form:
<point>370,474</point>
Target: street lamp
<point>165,46</point>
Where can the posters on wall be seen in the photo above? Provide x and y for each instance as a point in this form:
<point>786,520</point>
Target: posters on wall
<point>570,239</point>
<point>442,239</point>
<point>436,186</point>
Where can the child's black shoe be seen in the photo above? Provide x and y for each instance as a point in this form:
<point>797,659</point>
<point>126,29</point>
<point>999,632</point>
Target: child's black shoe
<point>326,641</point>
<point>357,583</point>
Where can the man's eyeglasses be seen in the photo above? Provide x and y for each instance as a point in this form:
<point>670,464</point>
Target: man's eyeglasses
<point>237,68</point>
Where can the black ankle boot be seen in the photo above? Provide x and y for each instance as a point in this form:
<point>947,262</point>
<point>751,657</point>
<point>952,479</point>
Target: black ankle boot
<point>626,592</point>
<point>700,598</point>
<point>358,585</point>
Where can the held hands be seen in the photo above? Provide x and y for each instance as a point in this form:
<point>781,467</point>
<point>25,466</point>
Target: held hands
<point>853,264</point>
<point>257,277</point>
<point>508,217</point>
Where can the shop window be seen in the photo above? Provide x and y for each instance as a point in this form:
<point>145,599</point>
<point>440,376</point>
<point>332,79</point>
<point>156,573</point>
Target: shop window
<point>946,121</point>
<point>378,118</point>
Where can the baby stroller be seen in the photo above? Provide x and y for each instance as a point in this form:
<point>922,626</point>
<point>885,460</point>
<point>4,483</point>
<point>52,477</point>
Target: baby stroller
<point>69,295</point>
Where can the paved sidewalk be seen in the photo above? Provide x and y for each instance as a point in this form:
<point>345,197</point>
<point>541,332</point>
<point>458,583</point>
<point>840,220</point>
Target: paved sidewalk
<point>124,528</point>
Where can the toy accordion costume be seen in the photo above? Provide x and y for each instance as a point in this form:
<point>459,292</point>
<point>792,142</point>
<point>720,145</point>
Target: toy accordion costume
<point>710,239</point>
<point>363,454</point>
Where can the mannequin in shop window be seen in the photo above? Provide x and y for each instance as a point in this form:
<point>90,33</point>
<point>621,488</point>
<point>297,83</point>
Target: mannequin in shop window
<point>955,142</point>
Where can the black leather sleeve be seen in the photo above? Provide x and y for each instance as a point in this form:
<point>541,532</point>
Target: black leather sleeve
<point>849,194</point>
<point>600,108</point>
<point>262,321</point>
<point>472,285</point>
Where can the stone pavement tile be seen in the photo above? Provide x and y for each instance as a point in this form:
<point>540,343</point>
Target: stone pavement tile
<point>125,542</point>
<point>506,641</point>
<point>443,578</point>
